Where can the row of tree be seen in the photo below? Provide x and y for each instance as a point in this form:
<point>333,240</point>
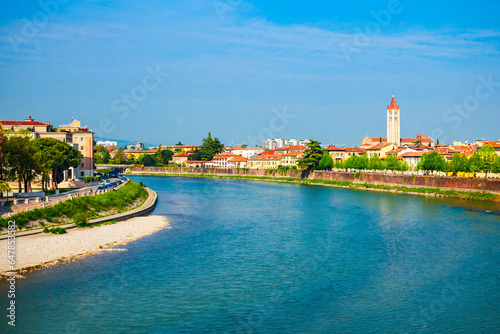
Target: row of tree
<point>484,160</point>
<point>23,158</point>
<point>208,149</point>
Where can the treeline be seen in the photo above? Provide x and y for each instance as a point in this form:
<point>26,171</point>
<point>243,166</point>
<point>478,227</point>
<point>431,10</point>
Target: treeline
<point>23,159</point>
<point>208,149</point>
<point>484,160</point>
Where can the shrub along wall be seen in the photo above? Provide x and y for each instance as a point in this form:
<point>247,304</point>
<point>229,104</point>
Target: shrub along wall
<point>373,178</point>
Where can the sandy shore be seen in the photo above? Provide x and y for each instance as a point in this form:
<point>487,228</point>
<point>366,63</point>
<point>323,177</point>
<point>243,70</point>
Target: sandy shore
<point>43,250</point>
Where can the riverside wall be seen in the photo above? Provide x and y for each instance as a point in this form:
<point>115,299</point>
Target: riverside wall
<point>456,183</point>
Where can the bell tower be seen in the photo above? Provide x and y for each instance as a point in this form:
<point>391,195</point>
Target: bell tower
<point>393,123</point>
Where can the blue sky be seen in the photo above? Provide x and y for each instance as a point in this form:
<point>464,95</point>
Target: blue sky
<point>231,67</point>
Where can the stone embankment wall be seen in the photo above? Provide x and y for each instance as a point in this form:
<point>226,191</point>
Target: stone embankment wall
<point>457,183</point>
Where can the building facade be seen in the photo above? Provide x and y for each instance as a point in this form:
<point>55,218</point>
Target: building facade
<point>81,138</point>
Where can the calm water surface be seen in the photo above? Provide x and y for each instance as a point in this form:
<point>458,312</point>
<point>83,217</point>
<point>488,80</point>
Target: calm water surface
<point>254,257</point>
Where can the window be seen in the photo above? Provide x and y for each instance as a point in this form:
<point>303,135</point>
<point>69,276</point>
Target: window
<point>81,174</point>
<point>82,165</point>
<point>81,139</point>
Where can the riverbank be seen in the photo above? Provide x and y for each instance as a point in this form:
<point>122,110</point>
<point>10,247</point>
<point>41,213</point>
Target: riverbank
<point>38,251</point>
<point>422,191</point>
<point>81,210</point>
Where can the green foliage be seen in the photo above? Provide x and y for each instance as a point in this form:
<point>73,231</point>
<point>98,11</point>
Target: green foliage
<point>432,162</point>
<point>119,157</point>
<point>101,155</point>
<point>357,175</point>
<point>55,230</point>
<point>357,162</point>
<point>496,166</point>
<point>23,159</point>
<point>312,156</point>
<point>147,160</point>
<point>80,219</point>
<point>82,209</point>
<point>326,162</point>
<point>210,147</point>
<point>483,159</point>
<point>196,155</point>
<point>392,163</point>
<point>163,157</point>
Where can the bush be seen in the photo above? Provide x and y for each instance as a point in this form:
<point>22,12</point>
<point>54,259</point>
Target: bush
<point>55,230</point>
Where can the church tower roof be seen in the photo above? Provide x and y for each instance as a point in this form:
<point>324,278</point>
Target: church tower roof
<point>393,104</point>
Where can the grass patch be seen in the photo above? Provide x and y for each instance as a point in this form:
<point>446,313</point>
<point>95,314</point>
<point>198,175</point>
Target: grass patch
<point>55,230</point>
<point>82,209</point>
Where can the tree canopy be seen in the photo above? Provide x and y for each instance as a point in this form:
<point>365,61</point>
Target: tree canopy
<point>312,156</point>
<point>210,147</point>
<point>102,155</point>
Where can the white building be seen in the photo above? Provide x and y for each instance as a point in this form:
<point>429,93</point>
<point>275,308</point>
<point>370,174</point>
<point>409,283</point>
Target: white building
<point>273,144</point>
<point>246,152</point>
<point>107,143</point>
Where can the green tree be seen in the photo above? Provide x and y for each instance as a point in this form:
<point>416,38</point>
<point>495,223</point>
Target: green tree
<point>392,163</point>
<point>23,160</point>
<point>363,162</point>
<point>196,155</point>
<point>455,163</point>
<point>102,155</point>
<point>56,157</point>
<point>432,162</point>
<point>475,163</point>
<point>375,163</point>
<point>312,156</point>
<point>210,147</point>
<point>326,161</point>
<point>487,156</point>
<point>147,160</point>
<point>163,157</point>
<point>3,141</point>
<point>119,157</point>
<point>496,166</point>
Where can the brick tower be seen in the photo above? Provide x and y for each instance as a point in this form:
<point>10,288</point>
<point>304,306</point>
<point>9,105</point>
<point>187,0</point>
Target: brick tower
<point>393,123</point>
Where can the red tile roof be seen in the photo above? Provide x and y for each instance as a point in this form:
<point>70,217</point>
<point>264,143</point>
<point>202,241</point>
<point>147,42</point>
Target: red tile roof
<point>293,147</point>
<point>23,123</point>
<point>412,154</point>
<point>267,157</point>
<point>238,158</point>
<point>268,153</point>
<point>355,149</point>
<point>181,155</point>
<point>334,148</point>
<point>393,104</point>
<point>291,154</point>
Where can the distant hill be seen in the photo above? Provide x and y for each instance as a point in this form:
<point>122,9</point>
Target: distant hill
<point>121,143</point>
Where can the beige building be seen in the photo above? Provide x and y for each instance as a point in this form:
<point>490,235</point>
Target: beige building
<point>291,158</point>
<point>246,152</point>
<point>380,149</point>
<point>180,158</point>
<point>74,134</point>
<point>264,161</point>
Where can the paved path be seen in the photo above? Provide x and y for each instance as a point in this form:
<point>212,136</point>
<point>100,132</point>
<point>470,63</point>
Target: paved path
<point>142,210</point>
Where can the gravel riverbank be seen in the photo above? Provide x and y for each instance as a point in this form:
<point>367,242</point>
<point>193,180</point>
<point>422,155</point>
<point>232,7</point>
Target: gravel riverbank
<point>43,250</point>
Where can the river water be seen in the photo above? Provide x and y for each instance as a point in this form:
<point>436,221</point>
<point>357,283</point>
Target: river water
<point>257,257</point>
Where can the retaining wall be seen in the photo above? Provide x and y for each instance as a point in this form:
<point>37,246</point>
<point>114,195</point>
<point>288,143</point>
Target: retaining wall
<point>457,183</point>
